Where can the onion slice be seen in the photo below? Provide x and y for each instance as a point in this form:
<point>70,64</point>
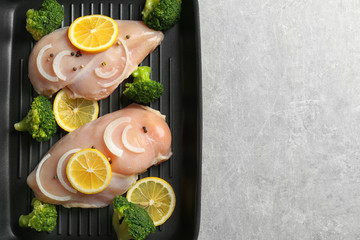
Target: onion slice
<point>42,189</point>
<point>126,143</point>
<point>57,61</point>
<point>39,65</point>
<point>123,74</point>
<point>59,169</point>
<point>106,75</point>
<point>108,135</point>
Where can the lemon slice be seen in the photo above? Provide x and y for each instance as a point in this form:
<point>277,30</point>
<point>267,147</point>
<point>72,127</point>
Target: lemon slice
<point>89,171</point>
<point>73,113</point>
<point>93,33</point>
<point>156,196</point>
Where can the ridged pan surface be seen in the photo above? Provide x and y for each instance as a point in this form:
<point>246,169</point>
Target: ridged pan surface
<point>175,63</point>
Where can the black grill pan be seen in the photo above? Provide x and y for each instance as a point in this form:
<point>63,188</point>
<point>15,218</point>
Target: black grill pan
<point>175,63</point>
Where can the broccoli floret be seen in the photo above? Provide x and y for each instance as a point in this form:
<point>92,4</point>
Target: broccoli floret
<point>40,120</point>
<point>45,20</point>
<point>161,14</point>
<point>143,89</point>
<point>131,221</point>
<point>42,218</point>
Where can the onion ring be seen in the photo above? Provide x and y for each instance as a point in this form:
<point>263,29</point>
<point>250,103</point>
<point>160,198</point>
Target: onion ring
<point>122,76</point>
<point>42,189</point>
<point>126,143</point>
<point>108,135</point>
<point>57,61</point>
<point>59,168</point>
<point>39,65</point>
<point>101,74</point>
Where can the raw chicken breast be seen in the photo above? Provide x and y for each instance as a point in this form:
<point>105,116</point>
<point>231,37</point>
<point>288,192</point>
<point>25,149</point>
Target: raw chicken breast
<point>56,193</point>
<point>89,75</point>
<point>133,138</point>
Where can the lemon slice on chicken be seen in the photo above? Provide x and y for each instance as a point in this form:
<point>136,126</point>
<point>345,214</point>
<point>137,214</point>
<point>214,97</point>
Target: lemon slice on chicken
<point>89,171</point>
<point>93,33</point>
<point>73,113</point>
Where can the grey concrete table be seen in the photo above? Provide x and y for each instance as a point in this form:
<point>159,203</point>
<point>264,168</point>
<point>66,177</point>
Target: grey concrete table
<point>281,102</point>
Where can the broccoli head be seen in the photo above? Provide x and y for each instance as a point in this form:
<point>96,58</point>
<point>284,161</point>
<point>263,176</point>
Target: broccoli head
<point>45,20</point>
<point>42,218</point>
<point>143,89</point>
<point>131,221</point>
<point>161,14</point>
<point>40,120</point>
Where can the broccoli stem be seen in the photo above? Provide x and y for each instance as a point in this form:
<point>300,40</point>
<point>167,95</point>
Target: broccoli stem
<point>24,220</point>
<point>22,126</point>
<point>121,227</point>
<point>142,74</point>
<point>149,5</point>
